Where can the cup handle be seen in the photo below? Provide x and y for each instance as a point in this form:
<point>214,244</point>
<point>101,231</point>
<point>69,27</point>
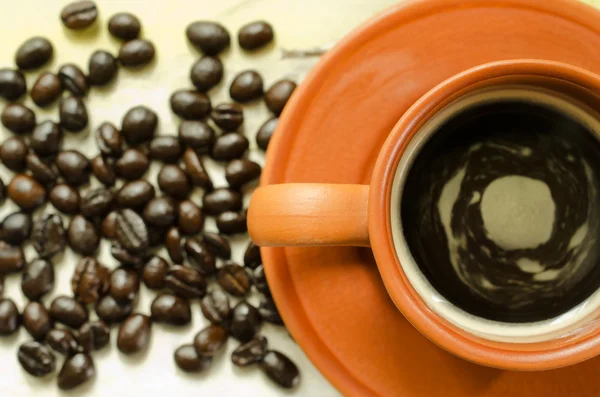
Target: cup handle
<point>309,214</point>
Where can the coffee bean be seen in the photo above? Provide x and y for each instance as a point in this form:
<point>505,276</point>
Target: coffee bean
<point>228,116</point>
<point>46,138</point>
<point>215,307</point>
<point>259,280</point>
<point>217,244</point>
<point>38,279</point>
<point>134,334</point>
<point>79,14</point>
<point>221,200</point>
<point>131,231</point>
<point>109,226</point>
<point>280,369</point>
<point>188,360</point>
<point>268,311</point>
<point>173,245</point>
<point>102,68</point>
<point>136,52</point>
<point>277,96</point>
<point>12,84</point>
<point>230,146</point>
<point>240,172</point>
<point>196,135</point>
<point>90,280</point>
<point>112,311</point>
<point>46,89</point>
<point>232,222</point>
<point>36,359</point>
<point>9,317</point>
<point>165,148</point>
<point>195,170</point>
<point>75,371</point>
<point>36,320</point>
<point>160,212</point>
<point>13,153</point>
<point>199,256</point>
<point>132,164</point>
<point>246,86</point>
<point>209,37</point>
<point>108,140</point>
<point>173,181</point>
<point>82,236</point>
<point>124,256</point>
<point>68,311</point>
<point>26,192</point>
<point>245,321</point>
<point>16,228</point>
<point>93,335</point>
<point>97,203</point>
<point>40,170</point>
<point>33,53</point>
<point>135,194</point>
<point>73,114</point>
<point>234,279</point>
<point>190,105</point>
<point>154,273</point>
<point>206,73</point>
<point>124,284</point>
<point>12,258</point>
<point>186,282</point>
<point>62,341</point>
<point>18,118</point>
<point>139,125</point>
<point>73,79</point>
<point>255,35</point>
<point>2,192</point>
<point>171,309</point>
<point>103,170</point>
<point>191,219</point>
<point>124,26</point>
<point>65,198</point>
<point>251,352</point>
<point>210,340</point>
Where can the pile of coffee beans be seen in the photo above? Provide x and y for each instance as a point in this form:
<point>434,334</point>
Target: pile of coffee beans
<point>59,211</point>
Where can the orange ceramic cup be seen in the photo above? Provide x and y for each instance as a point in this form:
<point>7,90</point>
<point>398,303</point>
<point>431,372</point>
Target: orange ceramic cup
<point>360,215</point>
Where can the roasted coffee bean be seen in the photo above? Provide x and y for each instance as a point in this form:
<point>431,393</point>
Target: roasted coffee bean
<point>79,14</point>
<point>240,172</point>
<point>73,166</point>
<point>156,235</point>
<point>259,280</point>
<point>171,309</point>
<point>136,52</point>
<point>190,217</point>
<point>196,135</point>
<point>173,181</point>
<point>48,235</point>
<point>82,236</point>
<point>206,73</point>
<point>277,96</point>
<point>190,105</point>
<point>12,84</point>
<point>124,26</point>
<point>255,35</point>
<point>93,335</point>
<point>124,284</point>
<point>2,192</point>
<point>135,194</point>
<point>12,258</point>
<point>36,320</point>
<point>210,340</point>
<point>38,279</point>
<point>173,245</point>
<point>230,146</point>
<point>132,232</point>
<point>102,68</point>
<point>195,171</point>
<point>199,255</point>
<point>268,311</point>
<point>65,198</point>
<point>97,203</point>
<point>251,352</point>
<point>245,321</point>
<point>232,222</point>
<point>217,244</point>
<point>185,282</point>
<point>46,89</point>
<point>154,273</point>
<point>234,279</point>
<point>26,192</point>
<point>109,226</point>
<point>188,360</point>
<point>68,311</point>
<point>62,341</point>
<point>124,256</point>
<point>73,79</point>
<point>165,148</point>
<point>160,212</point>
<point>73,114</point>
<point>90,281</point>
<point>75,371</point>
<point>36,358</point>
<point>228,116</point>
<point>215,307</point>
<point>108,140</point>
<point>134,334</point>
<point>103,169</point>
<point>209,37</point>
<point>18,118</point>
<point>13,153</point>
<point>40,171</point>
<point>139,125</point>
<point>246,86</point>
<point>221,200</point>
<point>16,228</point>
<point>46,138</point>
<point>9,317</point>
<point>112,311</point>
<point>132,164</point>
<point>280,369</point>
<point>33,53</point>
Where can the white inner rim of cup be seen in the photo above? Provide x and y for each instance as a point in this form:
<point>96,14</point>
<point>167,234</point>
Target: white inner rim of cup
<point>538,331</point>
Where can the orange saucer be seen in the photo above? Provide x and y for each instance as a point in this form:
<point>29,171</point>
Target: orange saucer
<point>332,299</point>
